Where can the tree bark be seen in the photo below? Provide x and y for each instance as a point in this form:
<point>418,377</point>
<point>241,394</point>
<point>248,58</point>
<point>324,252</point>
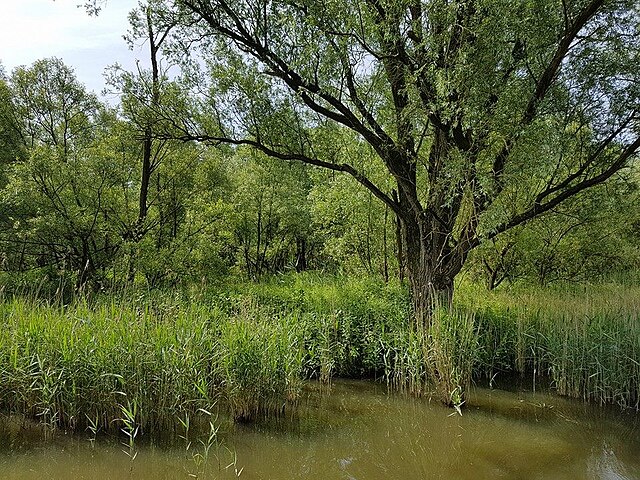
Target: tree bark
<point>399,246</point>
<point>301,254</point>
<point>430,276</point>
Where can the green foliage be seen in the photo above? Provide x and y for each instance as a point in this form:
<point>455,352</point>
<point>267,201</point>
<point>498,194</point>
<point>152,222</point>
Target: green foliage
<point>586,240</point>
<point>11,146</point>
<point>59,196</point>
<point>246,349</point>
<point>53,108</point>
<point>585,340</point>
<point>261,365</point>
<point>353,225</point>
<point>70,207</point>
<point>273,223</point>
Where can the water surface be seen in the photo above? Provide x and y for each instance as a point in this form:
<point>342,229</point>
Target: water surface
<point>358,431</point>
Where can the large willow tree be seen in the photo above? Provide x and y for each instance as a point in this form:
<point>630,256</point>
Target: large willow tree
<point>483,113</point>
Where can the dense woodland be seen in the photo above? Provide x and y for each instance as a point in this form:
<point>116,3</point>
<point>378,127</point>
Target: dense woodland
<point>90,201</point>
<point>420,144</point>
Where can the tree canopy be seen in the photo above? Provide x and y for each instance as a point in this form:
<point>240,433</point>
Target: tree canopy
<point>464,118</point>
<point>484,114</point>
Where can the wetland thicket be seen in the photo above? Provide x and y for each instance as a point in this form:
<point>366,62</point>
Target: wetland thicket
<point>428,194</point>
<point>244,350</point>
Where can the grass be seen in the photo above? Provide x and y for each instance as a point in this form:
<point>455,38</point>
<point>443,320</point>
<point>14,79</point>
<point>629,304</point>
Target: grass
<point>137,363</point>
<point>141,362</point>
<point>586,340</point>
<point>451,349</point>
<point>64,365</point>
<point>436,361</point>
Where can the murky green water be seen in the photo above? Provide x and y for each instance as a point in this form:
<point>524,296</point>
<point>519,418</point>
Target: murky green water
<point>360,432</point>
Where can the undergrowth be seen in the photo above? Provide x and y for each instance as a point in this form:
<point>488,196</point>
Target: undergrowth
<point>145,359</point>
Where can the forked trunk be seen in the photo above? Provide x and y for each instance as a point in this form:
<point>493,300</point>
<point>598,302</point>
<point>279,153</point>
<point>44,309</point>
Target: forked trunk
<point>447,337</point>
<point>430,276</point>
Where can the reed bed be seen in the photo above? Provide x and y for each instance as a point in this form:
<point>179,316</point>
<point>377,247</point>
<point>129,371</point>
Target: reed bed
<point>585,340</point>
<point>142,362</point>
<point>436,361</point>
<point>109,364</point>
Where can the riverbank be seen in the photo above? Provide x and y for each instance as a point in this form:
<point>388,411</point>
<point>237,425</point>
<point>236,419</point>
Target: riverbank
<point>140,362</point>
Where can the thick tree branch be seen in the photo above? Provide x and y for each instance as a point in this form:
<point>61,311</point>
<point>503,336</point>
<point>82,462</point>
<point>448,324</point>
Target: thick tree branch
<point>308,90</point>
<point>542,87</point>
<point>297,157</point>
<point>539,208</point>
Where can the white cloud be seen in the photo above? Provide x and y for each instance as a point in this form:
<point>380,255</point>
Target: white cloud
<point>34,29</point>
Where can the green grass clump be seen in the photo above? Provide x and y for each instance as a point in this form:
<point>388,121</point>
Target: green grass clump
<point>451,349</point>
<point>594,356</point>
<point>437,360</point>
<point>70,366</point>
<point>144,359</point>
<point>261,365</point>
<point>342,319</point>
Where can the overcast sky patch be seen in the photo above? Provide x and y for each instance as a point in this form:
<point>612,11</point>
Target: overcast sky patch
<point>34,29</point>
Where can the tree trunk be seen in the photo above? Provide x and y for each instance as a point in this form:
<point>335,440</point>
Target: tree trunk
<point>301,254</point>
<point>430,275</point>
<point>145,179</point>
<point>147,147</point>
<point>385,265</point>
<point>446,336</point>
<point>399,248</point>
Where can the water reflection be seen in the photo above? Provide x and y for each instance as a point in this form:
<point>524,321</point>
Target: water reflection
<point>359,432</point>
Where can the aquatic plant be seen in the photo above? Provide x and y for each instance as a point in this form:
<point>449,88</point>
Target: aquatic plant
<point>245,350</point>
<point>66,365</point>
<point>587,341</point>
<point>451,345</point>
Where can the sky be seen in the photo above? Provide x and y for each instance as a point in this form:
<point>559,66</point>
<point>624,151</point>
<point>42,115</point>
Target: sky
<point>35,29</point>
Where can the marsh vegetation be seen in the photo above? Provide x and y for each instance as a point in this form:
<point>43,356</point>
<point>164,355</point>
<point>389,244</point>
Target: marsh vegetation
<point>143,360</point>
<point>433,196</point>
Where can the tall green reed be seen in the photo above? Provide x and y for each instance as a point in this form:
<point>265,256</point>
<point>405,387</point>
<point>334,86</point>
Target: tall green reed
<point>587,342</point>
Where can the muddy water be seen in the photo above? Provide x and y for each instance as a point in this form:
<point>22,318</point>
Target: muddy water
<point>360,432</point>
